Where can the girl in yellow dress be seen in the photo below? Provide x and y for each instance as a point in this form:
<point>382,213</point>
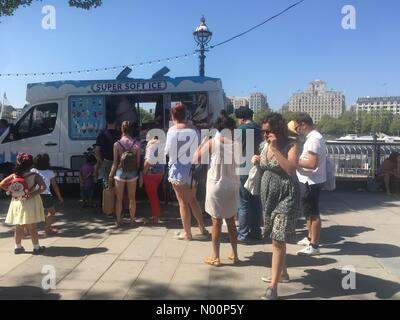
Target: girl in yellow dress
<point>27,211</point>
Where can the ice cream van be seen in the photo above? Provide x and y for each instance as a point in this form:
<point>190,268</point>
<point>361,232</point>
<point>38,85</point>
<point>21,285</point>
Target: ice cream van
<point>65,117</point>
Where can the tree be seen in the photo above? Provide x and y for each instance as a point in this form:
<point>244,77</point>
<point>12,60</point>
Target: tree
<point>394,128</point>
<point>328,124</point>
<point>260,115</point>
<point>289,116</point>
<point>347,123</point>
<point>8,7</point>
<point>145,116</point>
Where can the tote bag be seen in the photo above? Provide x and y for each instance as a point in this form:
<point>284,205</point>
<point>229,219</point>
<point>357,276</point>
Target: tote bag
<point>108,204</point>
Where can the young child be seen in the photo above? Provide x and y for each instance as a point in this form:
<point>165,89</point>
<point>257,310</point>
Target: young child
<point>42,168</point>
<point>86,178</point>
<point>28,210</point>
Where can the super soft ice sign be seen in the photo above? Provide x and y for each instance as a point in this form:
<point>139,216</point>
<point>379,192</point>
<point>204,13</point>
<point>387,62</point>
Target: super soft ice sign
<point>143,85</point>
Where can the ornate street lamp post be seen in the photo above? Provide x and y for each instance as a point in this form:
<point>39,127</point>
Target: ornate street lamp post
<point>202,36</point>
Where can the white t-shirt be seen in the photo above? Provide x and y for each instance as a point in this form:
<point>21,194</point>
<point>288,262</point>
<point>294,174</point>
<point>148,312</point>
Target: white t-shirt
<point>316,144</point>
<point>46,175</point>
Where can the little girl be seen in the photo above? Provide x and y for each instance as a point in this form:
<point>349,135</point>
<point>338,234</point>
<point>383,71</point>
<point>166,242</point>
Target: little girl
<point>28,211</point>
<point>42,168</point>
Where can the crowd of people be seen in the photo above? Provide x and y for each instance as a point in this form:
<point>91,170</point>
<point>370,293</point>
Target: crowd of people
<point>289,177</point>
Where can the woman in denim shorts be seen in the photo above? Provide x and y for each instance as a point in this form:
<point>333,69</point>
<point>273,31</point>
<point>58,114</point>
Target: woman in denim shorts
<point>121,178</point>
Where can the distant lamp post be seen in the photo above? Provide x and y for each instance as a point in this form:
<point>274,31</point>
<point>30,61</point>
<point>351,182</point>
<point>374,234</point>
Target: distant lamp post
<point>202,36</point>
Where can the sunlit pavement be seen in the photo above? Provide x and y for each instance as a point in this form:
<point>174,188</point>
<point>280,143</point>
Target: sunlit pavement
<point>93,260</point>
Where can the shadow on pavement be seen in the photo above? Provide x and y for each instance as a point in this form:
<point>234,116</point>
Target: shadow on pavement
<point>377,250</point>
<point>335,234</point>
<point>328,284</point>
<point>263,259</point>
<point>75,252</point>
<point>26,293</point>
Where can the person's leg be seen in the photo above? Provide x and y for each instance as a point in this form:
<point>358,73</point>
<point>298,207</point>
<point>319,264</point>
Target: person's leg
<point>316,226</point>
<point>306,206</point>
<point>243,214</point>
<point>151,184</point>
<point>196,210</point>
<point>34,234</point>
<point>255,216</point>
<point>230,223</point>
<point>132,200</point>
<point>216,237</point>
<point>182,194</point>
<point>51,212</point>
<point>90,193</point>
<point>278,260</point>
<point>119,193</point>
<point>386,178</point>
<point>19,234</point>
<point>309,229</point>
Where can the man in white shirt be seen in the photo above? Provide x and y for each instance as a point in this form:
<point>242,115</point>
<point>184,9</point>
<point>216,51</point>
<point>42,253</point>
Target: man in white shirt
<point>311,173</point>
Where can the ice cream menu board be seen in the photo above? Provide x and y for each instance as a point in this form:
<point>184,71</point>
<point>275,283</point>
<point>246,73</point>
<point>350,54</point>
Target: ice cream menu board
<point>87,117</point>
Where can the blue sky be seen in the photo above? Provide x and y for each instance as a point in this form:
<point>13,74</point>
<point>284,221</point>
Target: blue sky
<point>278,59</point>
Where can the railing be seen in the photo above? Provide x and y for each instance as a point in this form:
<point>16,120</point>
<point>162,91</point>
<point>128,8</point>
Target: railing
<point>359,160</point>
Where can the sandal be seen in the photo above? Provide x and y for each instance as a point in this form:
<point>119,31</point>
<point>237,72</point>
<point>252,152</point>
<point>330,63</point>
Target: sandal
<point>212,261</point>
<point>233,258</point>
<point>179,236</point>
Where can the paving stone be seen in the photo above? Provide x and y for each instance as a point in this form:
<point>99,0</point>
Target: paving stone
<point>142,248</point>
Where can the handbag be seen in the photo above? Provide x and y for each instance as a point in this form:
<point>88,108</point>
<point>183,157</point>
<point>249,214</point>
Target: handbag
<point>108,204</point>
<point>253,183</point>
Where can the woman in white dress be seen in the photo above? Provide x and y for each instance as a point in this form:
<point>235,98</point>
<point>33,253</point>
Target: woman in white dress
<point>223,183</point>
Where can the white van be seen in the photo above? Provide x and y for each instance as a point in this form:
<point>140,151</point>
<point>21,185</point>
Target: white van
<point>65,117</point>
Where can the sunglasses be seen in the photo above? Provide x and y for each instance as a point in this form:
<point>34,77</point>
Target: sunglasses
<point>267,132</point>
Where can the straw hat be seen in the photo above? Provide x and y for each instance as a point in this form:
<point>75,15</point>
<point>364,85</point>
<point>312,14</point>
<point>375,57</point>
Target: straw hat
<point>292,128</point>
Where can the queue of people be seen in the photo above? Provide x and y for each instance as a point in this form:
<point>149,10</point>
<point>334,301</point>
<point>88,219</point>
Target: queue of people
<point>286,179</point>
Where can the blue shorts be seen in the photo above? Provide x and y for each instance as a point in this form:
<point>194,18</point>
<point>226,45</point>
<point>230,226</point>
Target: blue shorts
<point>126,176</point>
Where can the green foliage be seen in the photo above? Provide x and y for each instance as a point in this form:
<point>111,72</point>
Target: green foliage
<point>8,7</point>
<point>260,115</point>
<point>289,116</point>
<point>394,128</point>
<point>328,125</point>
<point>363,123</point>
<point>145,116</point>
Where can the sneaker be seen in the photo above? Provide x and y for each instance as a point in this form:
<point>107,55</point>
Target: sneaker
<point>39,251</point>
<point>305,242</point>
<point>282,279</point>
<point>270,294</point>
<point>308,251</point>
<point>19,250</point>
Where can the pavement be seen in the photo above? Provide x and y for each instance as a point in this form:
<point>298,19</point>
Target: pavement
<point>90,259</point>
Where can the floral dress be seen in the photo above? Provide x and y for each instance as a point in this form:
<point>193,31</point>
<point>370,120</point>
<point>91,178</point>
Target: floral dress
<point>279,197</point>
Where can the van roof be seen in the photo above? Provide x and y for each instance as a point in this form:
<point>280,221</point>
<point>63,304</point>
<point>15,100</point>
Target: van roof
<point>56,90</point>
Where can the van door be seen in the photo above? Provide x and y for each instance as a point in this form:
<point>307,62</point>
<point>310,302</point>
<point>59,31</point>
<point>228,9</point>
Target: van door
<point>37,132</point>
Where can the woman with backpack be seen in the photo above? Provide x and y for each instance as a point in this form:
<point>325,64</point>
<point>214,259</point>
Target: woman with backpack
<point>182,142</point>
<point>26,207</point>
<point>125,171</point>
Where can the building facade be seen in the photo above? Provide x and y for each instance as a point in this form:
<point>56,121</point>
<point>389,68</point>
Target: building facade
<point>318,101</point>
<point>376,104</point>
<point>238,102</point>
<point>258,102</point>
